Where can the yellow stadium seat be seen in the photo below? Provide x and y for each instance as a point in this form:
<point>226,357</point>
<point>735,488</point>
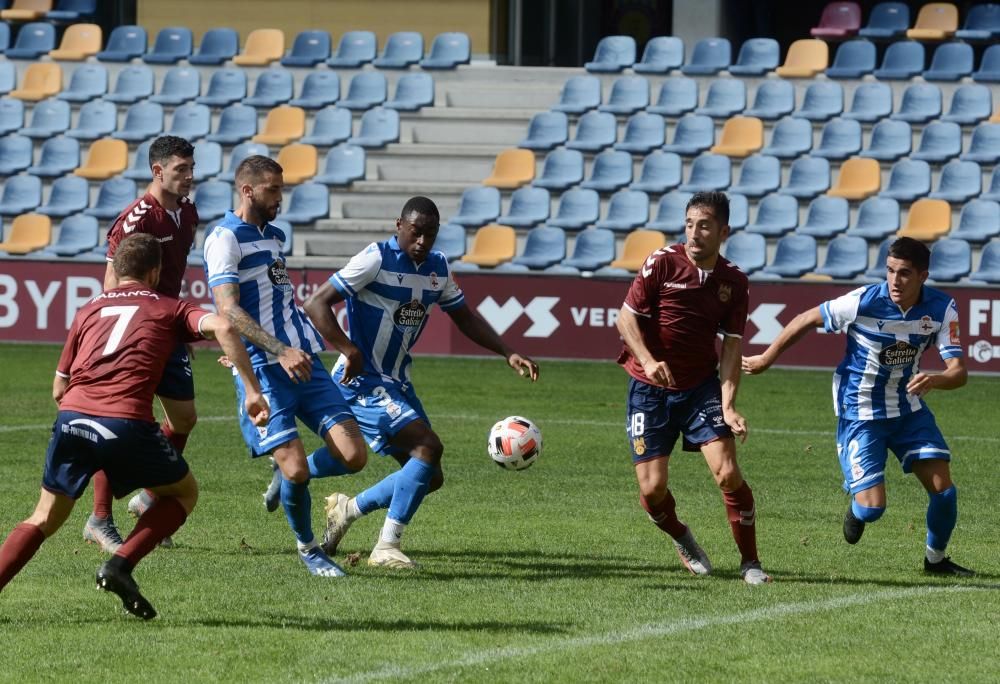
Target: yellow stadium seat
<point>492,245</point>
<point>639,244</point>
<point>79,42</point>
<point>40,80</point>
<point>806,58</point>
<point>818,277</point>
<point>859,178</point>
<point>27,10</point>
<point>996,117</point>
<point>936,21</point>
<point>106,157</point>
<point>298,162</point>
<point>741,136</point>
<point>512,169</point>
<point>283,125</point>
<point>263,46</point>
<point>927,220</point>
<point>28,232</point>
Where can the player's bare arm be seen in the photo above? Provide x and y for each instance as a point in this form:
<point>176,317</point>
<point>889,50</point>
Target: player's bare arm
<point>479,331</point>
<point>789,335</point>
<point>319,308</point>
<point>219,328</point>
<point>110,279</point>
<point>60,384</point>
<point>657,371</point>
<point>729,374</point>
<point>954,376</point>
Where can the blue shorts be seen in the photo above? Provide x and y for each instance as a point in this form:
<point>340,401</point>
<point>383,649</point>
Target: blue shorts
<point>658,416</point>
<point>178,381</point>
<point>133,453</point>
<point>316,403</point>
<point>862,446</point>
<point>382,408</point>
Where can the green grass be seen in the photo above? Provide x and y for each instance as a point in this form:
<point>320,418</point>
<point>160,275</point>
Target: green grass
<point>551,574</point>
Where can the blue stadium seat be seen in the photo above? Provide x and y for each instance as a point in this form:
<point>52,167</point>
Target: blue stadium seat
<point>890,140</point>
<point>343,165</point>
<point>49,117</point>
<point>989,66</point>
<point>355,49</point>
<point>213,199</point>
<point>627,209</point>
<point>747,250</point>
<point>33,40</point>
<point>920,103</point>
<point>4,35</point>
<point>593,249</point>
<point>309,202</point>
<point>840,139</point>
<point>68,195</point>
<point>611,171</point>
<point>757,56</point>
<point>960,181</point>
<point>308,49</point>
<point>132,84</point>
<point>288,244</point>
<point>739,210</point>
<point>413,92</point>
<point>15,154</point>
<point>451,241</point>
<point>661,171</point>
<point>448,50</point>
<point>179,85</point>
<point>613,54</point>
<point>981,23</point>
<point>172,44</point>
<point>207,161</point>
<point>794,256</point>
<point>939,142</point>
<point>877,219</point>
<point>478,206</point>
<point>661,54</point>
<point>330,126</point>
<point>790,138</point>
<point>579,94</point>
<point>578,208</point>
<point>846,258</point>
<point>826,217</point>
<point>191,121</point>
<point>529,206</point>
<point>21,194</point>
<point>807,177</point>
<point>561,169</point>
<point>401,50</point>
<point>113,195</point>
<point>366,89</point>
<point>970,104</point>
<point>951,61</point>
<point>628,95</point>
<point>984,146</point>
<point>710,56</point>
<point>379,127</point>
<point>594,132</point>
<point>217,46</point>
<point>237,123</point>
<point>887,20</point>
<point>546,130</point>
<point>544,246</point>
<point>877,269</point>
<point>854,59</point>
<point>979,221</point>
<point>989,263</point>
<point>909,179</point>
<point>77,234</point>
<point>951,260</point>
<point>671,212</point>
<point>11,115</point>
<point>139,170</point>
<point>71,11</point>
<point>274,86</point>
<point>725,97</point>
<point>777,214</point>
<point>694,134</point>
<point>225,87</point>
<point>902,61</point>
<point>759,175</point>
<point>871,102</point>
<point>87,82</point>
<point>8,77</point>
<point>59,156</point>
<point>238,154</point>
<point>125,43</point>
<point>319,89</point>
<point>678,96</point>
<point>993,191</point>
<point>644,132</point>
<point>821,101</point>
<point>773,99</point>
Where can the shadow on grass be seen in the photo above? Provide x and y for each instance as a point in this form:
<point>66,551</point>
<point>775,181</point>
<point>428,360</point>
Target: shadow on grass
<point>324,624</point>
<point>980,581</point>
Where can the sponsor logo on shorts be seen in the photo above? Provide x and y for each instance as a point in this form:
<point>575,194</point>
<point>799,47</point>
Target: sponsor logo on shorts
<point>639,446</point>
<point>410,315</point>
<point>897,355</point>
<point>278,275</point>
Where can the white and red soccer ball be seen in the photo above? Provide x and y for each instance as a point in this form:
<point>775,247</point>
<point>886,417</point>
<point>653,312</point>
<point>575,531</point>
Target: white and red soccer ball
<point>514,443</point>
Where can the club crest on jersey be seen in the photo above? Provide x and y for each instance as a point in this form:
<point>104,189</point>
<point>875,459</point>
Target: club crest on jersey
<point>409,315</point>
<point>639,446</point>
<point>725,292</point>
<point>926,325</point>
<point>278,275</point>
<point>896,355</point>
<point>434,281</point>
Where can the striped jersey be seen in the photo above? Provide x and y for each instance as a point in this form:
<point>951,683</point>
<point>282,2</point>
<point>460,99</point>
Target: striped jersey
<point>250,256</point>
<point>884,346</point>
<point>388,301</point>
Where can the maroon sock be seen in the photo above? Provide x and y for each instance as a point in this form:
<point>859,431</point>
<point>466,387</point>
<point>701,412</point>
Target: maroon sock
<point>20,545</point>
<point>160,520</point>
<point>177,439</point>
<point>664,515</point>
<point>102,495</point>
<point>743,520</point>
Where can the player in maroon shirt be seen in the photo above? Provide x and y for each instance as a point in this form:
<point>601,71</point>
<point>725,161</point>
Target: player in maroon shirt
<point>109,369</point>
<point>166,213</point>
<point>682,297</point>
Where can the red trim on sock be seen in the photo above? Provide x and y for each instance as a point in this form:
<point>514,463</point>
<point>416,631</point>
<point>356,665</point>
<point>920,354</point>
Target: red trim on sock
<point>664,515</point>
<point>102,494</point>
<point>160,520</point>
<point>742,514</point>
<point>20,545</point>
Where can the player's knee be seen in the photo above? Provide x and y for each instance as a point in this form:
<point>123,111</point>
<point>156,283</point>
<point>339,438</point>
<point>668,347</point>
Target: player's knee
<point>728,477</point>
<point>429,449</point>
<point>297,473</point>
<point>437,480</point>
<point>183,422</point>
<point>356,457</point>
<point>653,488</point>
<point>868,514</point>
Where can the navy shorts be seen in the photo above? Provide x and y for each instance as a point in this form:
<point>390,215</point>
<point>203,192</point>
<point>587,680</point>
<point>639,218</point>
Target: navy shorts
<point>177,382</point>
<point>133,453</point>
<point>382,408</point>
<point>658,416</point>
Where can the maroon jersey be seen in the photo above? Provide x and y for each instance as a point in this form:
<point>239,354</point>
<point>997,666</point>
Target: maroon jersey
<point>117,348</point>
<point>147,215</point>
<point>681,309</point>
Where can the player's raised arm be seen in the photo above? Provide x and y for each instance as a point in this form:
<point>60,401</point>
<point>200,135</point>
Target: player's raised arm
<point>479,331</point>
<point>628,326</point>
<point>789,335</point>
<point>219,328</point>
<point>319,308</point>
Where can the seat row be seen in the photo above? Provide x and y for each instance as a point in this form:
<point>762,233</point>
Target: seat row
<point>890,20</point>
<point>59,11</point>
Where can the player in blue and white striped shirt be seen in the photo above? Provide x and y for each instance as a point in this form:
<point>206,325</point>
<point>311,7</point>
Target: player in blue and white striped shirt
<point>878,391</point>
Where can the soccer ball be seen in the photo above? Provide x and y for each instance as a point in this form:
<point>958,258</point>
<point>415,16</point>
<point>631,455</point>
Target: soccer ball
<point>514,443</point>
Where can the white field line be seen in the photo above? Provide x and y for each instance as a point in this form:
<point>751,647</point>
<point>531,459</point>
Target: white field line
<point>650,631</point>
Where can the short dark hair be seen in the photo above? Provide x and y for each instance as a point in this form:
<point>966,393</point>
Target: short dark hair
<point>420,205</point>
<point>252,169</point>
<point>718,202</point>
<point>167,146</point>
<point>911,250</point>
<point>136,256</point>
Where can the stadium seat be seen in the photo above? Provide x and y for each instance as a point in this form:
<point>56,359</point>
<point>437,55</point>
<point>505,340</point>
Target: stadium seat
<point>237,123</point>
<point>213,199</point>
<point>309,202</point>
<point>902,61</point>
<point>546,130</point>
<point>854,59</point>
<point>807,177</point>
<point>989,263</point>
<point>979,221</point>
<point>207,161</point>
<point>759,175</point>
<point>989,66</point>
<point>890,140</point>
<point>627,209</point>
<point>709,172</point>
<point>982,23</point>
<point>908,180</point>
<point>238,154</point>
<point>887,21</point>
<point>113,195</point>
<point>984,146</point>
<point>927,220</point>
<point>790,138</point>
<point>401,50</point>
<point>543,247</point>
<point>839,20</point>
<point>87,82</point>
<point>319,89</point>
<point>8,77</point>
<point>661,171</point>
<point>450,241</point>
<point>613,54</point>
<point>172,44</point>
<point>951,260</point>
<point>343,165</point>
<point>331,125</point>
<point>273,87</point>
<point>21,194</point>
<point>33,40</point>
<point>639,244</point>
<point>283,125</point>
<point>491,246</point>
<point>59,156</point>
<point>218,45</point>
<point>262,47</point>
<point>725,97</point>
<point>179,85</point>
<point>140,169</point>
<point>579,94</point>
<point>757,57</point>
<point>661,54</point>
<point>594,131</point>
<point>839,139</point>
<point>355,49</point>
<point>15,154</point>
<point>678,96</point>
<point>413,92</point>
<point>308,49</point>
<point>970,104</point>
<point>448,50</point>
<point>11,115</point>
<point>935,21</point>
<point>529,206</point>
<point>859,179</point>
<point>378,128</point>
<point>72,10</point>
<point>106,157</point>
<point>951,62</point>
<point>79,42</point>
<point>191,121</point>
<point>741,137</point>
<point>877,269</point>
<point>959,181</point>
<point>747,250</point>
<point>709,57</point>
<point>993,189</point>
<point>593,249</point>
<point>821,101</point>
<point>366,89</point>
<point>578,208</point>
<point>693,135</point>
<point>77,234</point>
<point>49,117</point>
<point>132,84</point>
<point>872,102</point>
<point>478,206</point>
<point>561,169</point>
<point>125,43</point>
<point>670,212</point>
<point>512,169</point>
<point>776,215</point>
<point>846,258</point>
<point>806,58</point>
<point>939,142</point>
<point>300,162</point>
<point>644,132</point>
<point>225,87</point>
<point>826,217</point>
<point>28,233</point>
<point>794,256</point>
<point>739,210</point>
<point>628,95</point>
<point>773,100</point>
<point>40,80</point>
<point>921,102</point>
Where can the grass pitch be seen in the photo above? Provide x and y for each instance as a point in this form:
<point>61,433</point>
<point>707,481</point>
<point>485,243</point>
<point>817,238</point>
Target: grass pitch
<point>551,574</point>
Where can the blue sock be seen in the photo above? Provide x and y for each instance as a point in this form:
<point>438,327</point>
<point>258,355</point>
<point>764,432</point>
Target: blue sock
<point>298,509</point>
<point>868,514</point>
<point>412,483</point>
<point>942,512</point>
<point>323,464</point>
<point>378,495</point>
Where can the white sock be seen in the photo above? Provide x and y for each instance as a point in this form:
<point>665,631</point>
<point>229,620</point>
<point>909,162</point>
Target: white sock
<point>353,512</point>
<point>392,531</point>
<point>305,547</point>
<point>934,556</point>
